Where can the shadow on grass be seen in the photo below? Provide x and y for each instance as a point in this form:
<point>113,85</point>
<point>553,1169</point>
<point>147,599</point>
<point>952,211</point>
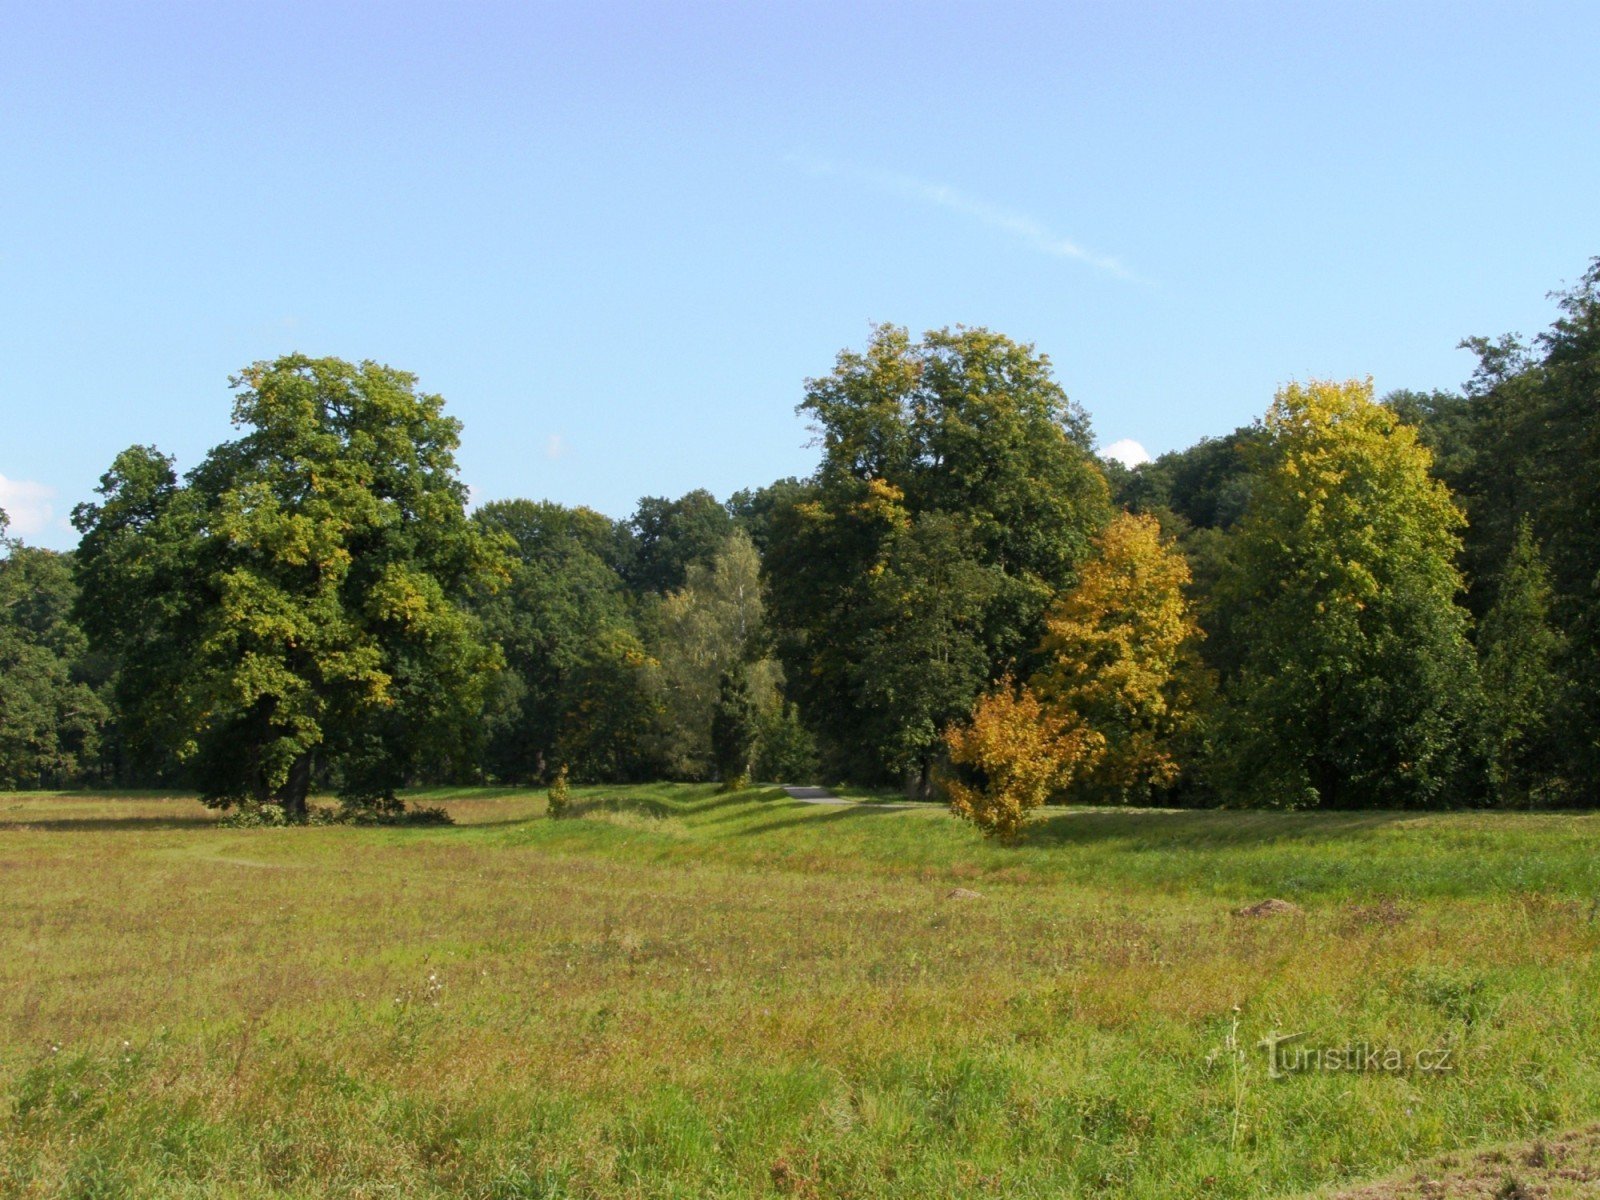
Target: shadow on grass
<point>1166,829</point>
<point>108,824</point>
<point>1137,829</point>
<point>755,804</point>
<point>716,802</point>
<point>815,815</point>
<point>445,795</point>
<point>646,806</point>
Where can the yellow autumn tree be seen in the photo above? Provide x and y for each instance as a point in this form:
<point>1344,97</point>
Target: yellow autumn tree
<point>1011,756</point>
<point>1356,684</point>
<point>1121,651</point>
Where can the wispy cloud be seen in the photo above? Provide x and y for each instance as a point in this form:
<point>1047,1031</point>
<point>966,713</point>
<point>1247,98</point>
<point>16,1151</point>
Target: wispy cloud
<point>555,447</point>
<point>29,506</point>
<point>1024,228</point>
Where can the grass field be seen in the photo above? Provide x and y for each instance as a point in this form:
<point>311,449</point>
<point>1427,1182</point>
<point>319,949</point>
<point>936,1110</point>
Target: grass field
<point>682,993</point>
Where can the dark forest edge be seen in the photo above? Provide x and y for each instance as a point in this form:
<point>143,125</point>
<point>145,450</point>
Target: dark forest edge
<point>1350,603</point>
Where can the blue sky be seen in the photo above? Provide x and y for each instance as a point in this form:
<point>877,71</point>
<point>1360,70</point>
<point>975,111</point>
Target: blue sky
<point>617,238</point>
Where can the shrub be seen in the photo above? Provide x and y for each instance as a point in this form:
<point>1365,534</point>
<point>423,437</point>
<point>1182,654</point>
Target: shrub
<point>560,795</point>
<point>785,751</point>
<point>392,812</point>
<point>256,816</point>
<point>1011,756</point>
<point>426,814</point>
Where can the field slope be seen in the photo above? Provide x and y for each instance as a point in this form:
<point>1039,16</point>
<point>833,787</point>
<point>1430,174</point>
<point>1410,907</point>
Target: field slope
<point>684,993</point>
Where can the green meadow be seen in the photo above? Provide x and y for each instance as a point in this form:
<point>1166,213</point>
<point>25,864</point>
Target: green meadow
<point>681,992</point>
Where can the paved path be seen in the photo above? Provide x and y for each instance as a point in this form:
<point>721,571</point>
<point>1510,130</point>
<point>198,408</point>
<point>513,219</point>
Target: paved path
<point>821,795</point>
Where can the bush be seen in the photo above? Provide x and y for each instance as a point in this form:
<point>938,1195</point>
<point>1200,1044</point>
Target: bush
<point>256,816</point>
<point>425,814</point>
<point>785,751</point>
<point>1012,755</point>
<point>391,811</point>
<point>560,795</point>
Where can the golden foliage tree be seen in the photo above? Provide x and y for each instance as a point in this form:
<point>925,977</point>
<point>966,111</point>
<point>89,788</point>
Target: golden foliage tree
<point>1011,756</point>
<point>1122,659</point>
<point>1356,683</point>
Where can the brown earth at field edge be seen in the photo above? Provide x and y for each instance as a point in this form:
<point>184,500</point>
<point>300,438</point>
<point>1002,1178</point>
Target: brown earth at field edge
<point>1562,1167</point>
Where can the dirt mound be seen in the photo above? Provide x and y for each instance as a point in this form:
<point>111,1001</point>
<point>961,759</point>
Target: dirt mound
<point>1564,1167</point>
<point>1269,908</point>
<point>1386,914</point>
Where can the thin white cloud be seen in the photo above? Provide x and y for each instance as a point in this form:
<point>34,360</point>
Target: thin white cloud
<point>555,447</point>
<point>28,504</point>
<point>1024,228</point>
<point>1127,452</point>
<point>1020,226</point>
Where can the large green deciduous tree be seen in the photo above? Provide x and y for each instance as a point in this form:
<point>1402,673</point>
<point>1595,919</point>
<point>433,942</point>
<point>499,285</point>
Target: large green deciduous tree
<point>1356,683</point>
<point>1535,454</point>
<point>51,715</point>
<point>710,627</point>
<point>565,625</point>
<point>297,602</point>
<point>753,509</point>
<point>670,535</point>
<point>923,657</point>
<point>956,458</point>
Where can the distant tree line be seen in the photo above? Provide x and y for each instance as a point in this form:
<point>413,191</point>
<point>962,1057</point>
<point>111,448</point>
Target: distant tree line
<point>1352,602</point>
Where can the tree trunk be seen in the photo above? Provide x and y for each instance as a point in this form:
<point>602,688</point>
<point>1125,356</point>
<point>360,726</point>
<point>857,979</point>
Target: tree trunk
<point>919,783</point>
<point>292,795</point>
<point>1327,778</point>
<point>259,791</point>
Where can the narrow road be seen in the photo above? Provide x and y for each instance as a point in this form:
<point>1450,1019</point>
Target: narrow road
<point>821,795</point>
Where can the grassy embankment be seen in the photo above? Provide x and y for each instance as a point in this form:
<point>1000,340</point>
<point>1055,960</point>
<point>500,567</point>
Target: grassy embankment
<point>690,994</point>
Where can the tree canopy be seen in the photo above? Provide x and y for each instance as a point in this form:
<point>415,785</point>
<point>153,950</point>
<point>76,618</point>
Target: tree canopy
<point>1121,657</point>
<point>1357,678</point>
<point>563,621</point>
<point>956,495</point>
<point>1350,602</point>
<point>51,711</point>
<point>671,535</point>
<point>297,603</point>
